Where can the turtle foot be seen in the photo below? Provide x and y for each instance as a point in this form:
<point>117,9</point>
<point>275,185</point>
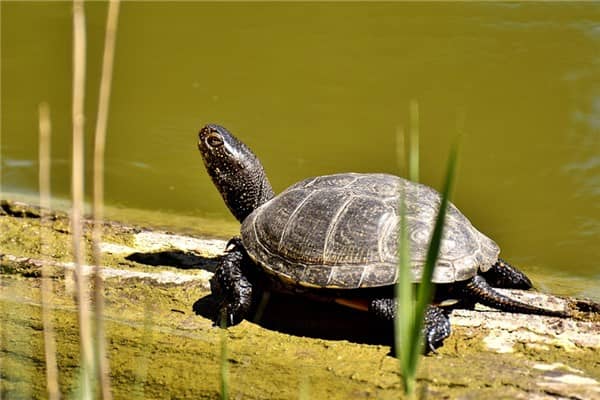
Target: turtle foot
<point>504,275</point>
<point>436,328</point>
<point>436,324</point>
<point>231,287</point>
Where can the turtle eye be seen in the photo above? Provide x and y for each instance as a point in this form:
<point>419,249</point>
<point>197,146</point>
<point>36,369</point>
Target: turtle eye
<point>214,140</point>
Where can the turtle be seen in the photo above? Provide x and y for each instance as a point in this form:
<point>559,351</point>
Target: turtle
<point>334,238</point>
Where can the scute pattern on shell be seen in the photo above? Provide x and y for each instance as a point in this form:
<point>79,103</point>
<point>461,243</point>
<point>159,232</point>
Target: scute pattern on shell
<point>341,231</point>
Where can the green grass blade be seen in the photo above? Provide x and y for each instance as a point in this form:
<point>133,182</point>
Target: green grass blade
<point>405,340</point>
<point>413,153</point>
<point>425,291</point>
<point>224,370</point>
<point>405,303</point>
<point>411,313</point>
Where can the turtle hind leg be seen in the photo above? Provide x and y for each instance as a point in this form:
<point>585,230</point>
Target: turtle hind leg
<point>480,291</point>
<point>504,275</point>
<point>232,286</point>
<point>436,324</point>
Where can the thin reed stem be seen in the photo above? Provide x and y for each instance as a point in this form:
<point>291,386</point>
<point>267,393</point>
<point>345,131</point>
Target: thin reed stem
<point>46,289</point>
<point>224,370</point>
<point>405,304</point>
<point>98,196</point>
<point>2,341</point>
<point>0,161</point>
<point>79,49</point>
<point>413,153</point>
<point>401,151</point>
<point>411,311</point>
<point>304,387</point>
<point>405,341</point>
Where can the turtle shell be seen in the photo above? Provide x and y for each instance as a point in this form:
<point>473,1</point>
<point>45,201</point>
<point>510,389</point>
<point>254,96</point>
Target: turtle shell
<point>341,231</point>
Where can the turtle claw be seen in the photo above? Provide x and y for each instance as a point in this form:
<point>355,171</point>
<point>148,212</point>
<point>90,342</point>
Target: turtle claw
<point>430,349</point>
<point>230,321</point>
<point>233,243</point>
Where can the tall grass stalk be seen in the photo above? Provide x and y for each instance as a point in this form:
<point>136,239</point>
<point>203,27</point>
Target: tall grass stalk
<point>46,294</point>
<point>81,282</point>
<point>401,151</point>
<point>425,291</point>
<point>0,154</point>
<point>404,287</point>
<point>0,157</point>
<point>143,359</point>
<point>102,365</point>
<point>406,310</point>
<point>304,388</point>
<point>413,153</point>
<point>2,340</point>
<point>224,370</point>
<point>411,310</point>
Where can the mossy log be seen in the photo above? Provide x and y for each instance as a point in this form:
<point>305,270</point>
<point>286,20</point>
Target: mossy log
<point>162,343</point>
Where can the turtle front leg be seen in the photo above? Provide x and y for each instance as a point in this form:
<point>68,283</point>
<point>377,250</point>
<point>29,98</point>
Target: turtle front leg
<point>436,324</point>
<point>232,286</point>
<point>436,328</point>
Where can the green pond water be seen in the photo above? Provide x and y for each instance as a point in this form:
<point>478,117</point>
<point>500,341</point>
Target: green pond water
<point>318,88</point>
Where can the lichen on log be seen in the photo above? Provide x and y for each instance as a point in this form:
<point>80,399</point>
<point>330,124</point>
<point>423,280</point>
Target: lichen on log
<point>162,345</point>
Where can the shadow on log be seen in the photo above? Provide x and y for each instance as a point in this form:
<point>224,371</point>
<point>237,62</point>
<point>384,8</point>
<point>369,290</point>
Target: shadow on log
<point>300,316</point>
<point>175,258</point>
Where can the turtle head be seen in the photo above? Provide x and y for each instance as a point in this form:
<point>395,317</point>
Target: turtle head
<point>235,170</point>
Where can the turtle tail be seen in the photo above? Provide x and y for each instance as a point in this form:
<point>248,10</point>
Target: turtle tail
<point>480,291</point>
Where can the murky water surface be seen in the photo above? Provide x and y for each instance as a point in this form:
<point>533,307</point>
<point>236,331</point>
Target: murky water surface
<point>322,88</point>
